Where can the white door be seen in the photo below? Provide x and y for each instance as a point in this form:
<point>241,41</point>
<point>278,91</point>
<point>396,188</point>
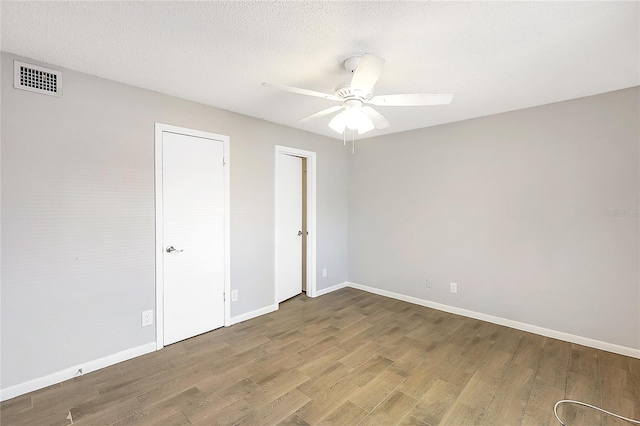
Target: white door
<point>193,235</point>
<point>289,227</point>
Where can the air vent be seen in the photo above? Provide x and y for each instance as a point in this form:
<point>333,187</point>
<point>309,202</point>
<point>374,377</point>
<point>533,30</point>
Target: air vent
<point>37,79</point>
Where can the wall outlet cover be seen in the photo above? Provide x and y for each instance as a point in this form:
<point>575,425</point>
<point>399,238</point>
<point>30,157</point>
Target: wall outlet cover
<point>147,318</point>
<point>234,295</point>
<point>453,287</point>
<point>324,272</point>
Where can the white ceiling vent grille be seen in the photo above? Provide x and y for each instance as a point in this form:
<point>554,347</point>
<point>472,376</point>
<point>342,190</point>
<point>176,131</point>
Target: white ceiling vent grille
<point>37,79</point>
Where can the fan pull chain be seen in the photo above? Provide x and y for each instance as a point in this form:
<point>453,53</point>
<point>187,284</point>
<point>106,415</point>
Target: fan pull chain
<point>353,141</point>
<point>344,137</point>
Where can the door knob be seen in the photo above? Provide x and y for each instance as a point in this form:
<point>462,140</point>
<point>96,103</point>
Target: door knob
<point>171,248</point>
<point>299,233</point>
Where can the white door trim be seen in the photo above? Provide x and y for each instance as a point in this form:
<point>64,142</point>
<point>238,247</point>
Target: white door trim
<point>311,217</point>
<point>159,129</point>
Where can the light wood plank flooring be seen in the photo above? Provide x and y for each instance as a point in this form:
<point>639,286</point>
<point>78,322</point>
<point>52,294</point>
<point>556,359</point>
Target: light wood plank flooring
<point>346,358</point>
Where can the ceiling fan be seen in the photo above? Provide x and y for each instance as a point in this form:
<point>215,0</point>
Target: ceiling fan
<point>355,96</point>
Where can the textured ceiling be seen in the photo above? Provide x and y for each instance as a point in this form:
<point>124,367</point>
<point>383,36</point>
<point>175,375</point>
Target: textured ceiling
<point>494,56</point>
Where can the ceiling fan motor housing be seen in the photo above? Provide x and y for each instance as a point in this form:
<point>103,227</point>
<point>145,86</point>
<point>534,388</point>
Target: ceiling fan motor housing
<point>345,93</point>
<point>353,104</point>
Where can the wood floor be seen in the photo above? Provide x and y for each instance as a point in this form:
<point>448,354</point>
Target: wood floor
<point>347,358</point>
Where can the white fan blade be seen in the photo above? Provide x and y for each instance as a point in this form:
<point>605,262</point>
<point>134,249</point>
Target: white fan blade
<point>366,74</point>
<point>321,113</point>
<point>411,100</point>
<point>378,120</point>
<point>303,91</point>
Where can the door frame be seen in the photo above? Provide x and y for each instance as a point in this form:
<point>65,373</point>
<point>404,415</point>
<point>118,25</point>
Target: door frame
<point>311,217</point>
<point>159,129</point>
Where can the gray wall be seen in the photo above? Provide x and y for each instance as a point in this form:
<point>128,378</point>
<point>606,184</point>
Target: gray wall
<point>512,208</point>
<point>78,216</point>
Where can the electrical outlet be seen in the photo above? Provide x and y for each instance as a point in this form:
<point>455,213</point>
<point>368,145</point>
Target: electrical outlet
<point>453,287</point>
<point>428,283</point>
<point>234,295</point>
<point>324,272</point>
<point>147,318</point>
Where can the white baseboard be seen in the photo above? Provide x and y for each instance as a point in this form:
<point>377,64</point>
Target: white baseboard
<point>330,289</point>
<point>71,372</point>
<point>560,335</point>
<point>88,367</point>
<point>253,314</point>
<point>272,308</point>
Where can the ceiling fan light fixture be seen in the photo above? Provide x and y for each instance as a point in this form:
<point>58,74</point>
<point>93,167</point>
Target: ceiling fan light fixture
<point>338,123</point>
<point>356,119</point>
<point>365,127</point>
<point>351,118</point>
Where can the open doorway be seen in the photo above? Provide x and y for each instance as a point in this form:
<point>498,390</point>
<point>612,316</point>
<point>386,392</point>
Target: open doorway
<point>295,216</point>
